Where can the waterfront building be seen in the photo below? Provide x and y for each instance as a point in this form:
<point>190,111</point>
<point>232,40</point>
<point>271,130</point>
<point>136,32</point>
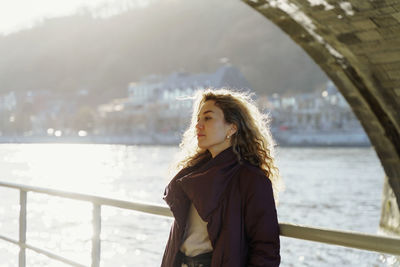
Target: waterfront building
<point>160,106</point>
<point>322,117</point>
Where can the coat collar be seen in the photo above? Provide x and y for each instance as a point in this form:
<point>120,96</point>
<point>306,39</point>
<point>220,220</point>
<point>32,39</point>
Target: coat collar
<point>204,186</point>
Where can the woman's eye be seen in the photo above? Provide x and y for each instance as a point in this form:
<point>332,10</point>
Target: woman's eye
<point>207,118</point>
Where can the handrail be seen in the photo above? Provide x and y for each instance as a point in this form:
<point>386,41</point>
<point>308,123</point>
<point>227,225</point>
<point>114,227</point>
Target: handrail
<point>42,251</point>
<point>357,240</point>
<point>103,201</point>
<point>383,244</point>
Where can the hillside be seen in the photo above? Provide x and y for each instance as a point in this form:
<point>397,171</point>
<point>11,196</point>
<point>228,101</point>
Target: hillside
<point>102,54</point>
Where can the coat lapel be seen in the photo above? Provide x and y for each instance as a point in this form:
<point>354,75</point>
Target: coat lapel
<point>205,187</point>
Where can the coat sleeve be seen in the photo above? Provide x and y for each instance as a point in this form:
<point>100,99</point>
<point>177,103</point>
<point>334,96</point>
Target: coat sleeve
<point>261,223</point>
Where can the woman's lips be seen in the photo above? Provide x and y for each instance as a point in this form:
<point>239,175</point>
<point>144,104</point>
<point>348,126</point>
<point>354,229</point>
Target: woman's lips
<point>200,135</point>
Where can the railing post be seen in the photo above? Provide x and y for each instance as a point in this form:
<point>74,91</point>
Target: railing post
<point>96,235</point>
<point>22,227</point>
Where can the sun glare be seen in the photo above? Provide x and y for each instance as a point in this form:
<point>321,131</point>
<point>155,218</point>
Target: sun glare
<point>51,166</point>
<point>21,14</point>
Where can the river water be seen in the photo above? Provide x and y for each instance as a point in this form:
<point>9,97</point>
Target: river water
<point>339,188</point>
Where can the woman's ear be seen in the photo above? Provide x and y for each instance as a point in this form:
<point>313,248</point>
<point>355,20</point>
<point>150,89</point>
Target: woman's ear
<point>233,129</point>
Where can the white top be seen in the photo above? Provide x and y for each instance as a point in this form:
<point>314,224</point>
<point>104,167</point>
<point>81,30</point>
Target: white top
<point>196,235</point>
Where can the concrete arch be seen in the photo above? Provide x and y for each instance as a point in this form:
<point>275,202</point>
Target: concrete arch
<point>357,44</point>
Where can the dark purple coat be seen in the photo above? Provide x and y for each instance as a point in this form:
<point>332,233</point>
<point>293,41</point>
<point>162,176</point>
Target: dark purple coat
<point>236,200</point>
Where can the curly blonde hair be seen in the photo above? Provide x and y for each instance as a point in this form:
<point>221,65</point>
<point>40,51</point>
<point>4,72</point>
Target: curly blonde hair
<point>252,141</point>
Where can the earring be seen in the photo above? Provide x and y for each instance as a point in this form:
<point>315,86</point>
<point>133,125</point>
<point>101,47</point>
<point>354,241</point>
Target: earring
<point>228,137</point>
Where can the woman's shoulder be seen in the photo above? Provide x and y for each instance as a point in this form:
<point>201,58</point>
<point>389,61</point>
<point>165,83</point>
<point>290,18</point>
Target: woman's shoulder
<point>252,175</point>
<point>248,169</point>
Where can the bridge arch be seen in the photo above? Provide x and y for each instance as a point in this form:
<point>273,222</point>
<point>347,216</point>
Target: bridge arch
<point>357,44</point>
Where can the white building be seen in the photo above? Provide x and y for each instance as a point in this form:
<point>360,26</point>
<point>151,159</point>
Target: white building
<point>169,98</point>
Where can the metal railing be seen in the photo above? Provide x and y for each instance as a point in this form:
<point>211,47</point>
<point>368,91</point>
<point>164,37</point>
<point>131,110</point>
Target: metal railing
<point>342,238</point>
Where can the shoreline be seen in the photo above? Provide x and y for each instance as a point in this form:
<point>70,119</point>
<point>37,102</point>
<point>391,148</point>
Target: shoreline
<point>152,140</point>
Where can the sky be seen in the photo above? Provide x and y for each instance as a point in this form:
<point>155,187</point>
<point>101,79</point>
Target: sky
<point>16,15</point>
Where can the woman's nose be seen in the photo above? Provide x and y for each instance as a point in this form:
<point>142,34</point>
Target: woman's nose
<point>199,125</point>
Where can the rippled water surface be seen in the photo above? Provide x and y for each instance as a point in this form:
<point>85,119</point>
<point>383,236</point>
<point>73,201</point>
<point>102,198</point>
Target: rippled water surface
<point>336,188</point>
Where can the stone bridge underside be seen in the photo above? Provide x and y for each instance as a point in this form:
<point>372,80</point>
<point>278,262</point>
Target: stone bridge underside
<point>357,44</point>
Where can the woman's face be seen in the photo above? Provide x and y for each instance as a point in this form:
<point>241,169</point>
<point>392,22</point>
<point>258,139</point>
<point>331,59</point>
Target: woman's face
<point>212,130</point>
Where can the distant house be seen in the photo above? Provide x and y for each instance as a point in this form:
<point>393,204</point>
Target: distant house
<point>168,97</point>
<point>8,101</point>
<point>320,111</point>
<point>167,88</point>
<point>322,117</point>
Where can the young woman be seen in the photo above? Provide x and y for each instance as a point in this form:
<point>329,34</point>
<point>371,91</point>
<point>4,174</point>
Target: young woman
<point>223,196</point>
